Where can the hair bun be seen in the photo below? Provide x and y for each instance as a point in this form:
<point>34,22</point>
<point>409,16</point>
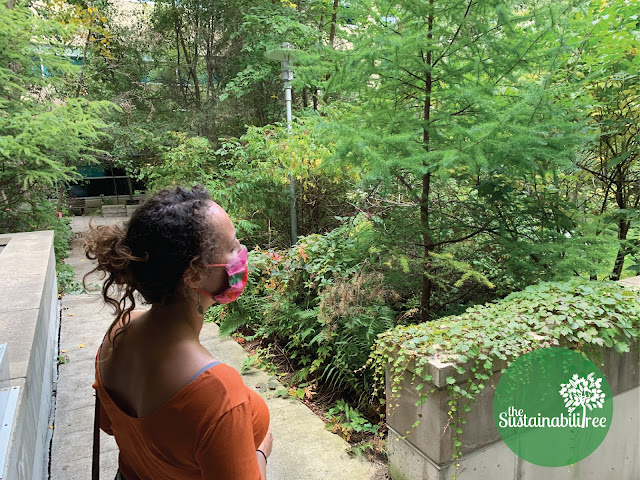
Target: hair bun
<point>106,244</point>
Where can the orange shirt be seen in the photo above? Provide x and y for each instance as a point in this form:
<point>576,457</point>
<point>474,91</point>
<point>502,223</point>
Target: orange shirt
<point>208,430</point>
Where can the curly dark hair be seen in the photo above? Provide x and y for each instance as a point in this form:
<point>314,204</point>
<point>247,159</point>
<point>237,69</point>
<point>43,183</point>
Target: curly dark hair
<point>168,233</point>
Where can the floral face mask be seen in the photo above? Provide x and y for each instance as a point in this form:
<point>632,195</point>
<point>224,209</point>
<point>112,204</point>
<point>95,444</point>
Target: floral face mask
<point>238,272</point>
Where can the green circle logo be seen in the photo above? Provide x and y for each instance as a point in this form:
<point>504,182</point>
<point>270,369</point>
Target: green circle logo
<point>553,407</point>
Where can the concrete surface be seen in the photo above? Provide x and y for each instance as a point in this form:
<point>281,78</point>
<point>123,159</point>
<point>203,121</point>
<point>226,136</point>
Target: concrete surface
<point>616,457</point>
<point>29,316</point>
<point>621,371</point>
<point>303,448</point>
<point>424,452</point>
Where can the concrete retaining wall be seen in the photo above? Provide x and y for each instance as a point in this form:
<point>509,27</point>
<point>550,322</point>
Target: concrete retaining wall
<point>424,452</point>
<point>29,321</point>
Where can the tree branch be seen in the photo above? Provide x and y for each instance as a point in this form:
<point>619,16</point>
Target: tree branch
<point>455,35</point>
<point>466,237</point>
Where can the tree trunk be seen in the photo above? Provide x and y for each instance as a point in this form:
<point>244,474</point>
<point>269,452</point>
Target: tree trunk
<point>192,62</point>
<point>623,225</point>
<point>209,60</point>
<point>427,284</point>
<point>623,229</point>
<point>60,197</point>
<point>194,73</point>
<point>78,90</point>
<point>334,16</point>
<point>130,188</point>
<point>84,63</point>
<point>183,87</point>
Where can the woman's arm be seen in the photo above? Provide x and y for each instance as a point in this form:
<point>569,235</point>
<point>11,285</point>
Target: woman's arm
<point>263,452</point>
<point>262,465</point>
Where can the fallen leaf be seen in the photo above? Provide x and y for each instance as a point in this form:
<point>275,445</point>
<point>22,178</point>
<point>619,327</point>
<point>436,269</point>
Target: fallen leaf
<point>69,314</point>
<point>82,259</point>
<point>63,351</point>
<point>309,391</point>
<point>81,345</point>
<point>51,427</point>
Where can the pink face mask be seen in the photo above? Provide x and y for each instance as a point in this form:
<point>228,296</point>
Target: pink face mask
<point>238,272</point>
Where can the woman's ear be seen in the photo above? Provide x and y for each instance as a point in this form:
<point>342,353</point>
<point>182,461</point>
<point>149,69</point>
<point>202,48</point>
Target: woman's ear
<point>191,278</point>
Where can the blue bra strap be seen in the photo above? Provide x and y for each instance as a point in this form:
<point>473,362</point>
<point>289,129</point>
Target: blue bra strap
<point>202,370</point>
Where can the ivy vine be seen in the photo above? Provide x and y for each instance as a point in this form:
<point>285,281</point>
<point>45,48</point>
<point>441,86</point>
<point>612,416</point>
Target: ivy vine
<point>582,315</point>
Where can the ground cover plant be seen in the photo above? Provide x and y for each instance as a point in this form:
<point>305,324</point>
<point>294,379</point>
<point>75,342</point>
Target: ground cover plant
<point>583,315</point>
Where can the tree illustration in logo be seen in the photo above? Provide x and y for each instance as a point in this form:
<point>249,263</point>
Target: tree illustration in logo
<point>582,392</point>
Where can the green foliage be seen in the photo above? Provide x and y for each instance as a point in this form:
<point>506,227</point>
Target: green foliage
<point>348,421</point>
<point>579,314</point>
<point>457,152</point>
<point>321,300</point>
<point>253,182</point>
<point>611,89</point>
<point>44,135</point>
<point>452,110</point>
<point>67,284</point>
<point>41,137</point>
<point>263,28</point>
<point>190,161</point>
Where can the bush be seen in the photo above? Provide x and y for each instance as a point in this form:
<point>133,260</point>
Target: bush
<point>323,300</point>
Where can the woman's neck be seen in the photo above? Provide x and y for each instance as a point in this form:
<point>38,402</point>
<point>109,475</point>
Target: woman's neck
<point>179,319</point>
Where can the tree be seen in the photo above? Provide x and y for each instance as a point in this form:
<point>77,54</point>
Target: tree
<point>583,392</point>
<point>43,134</point>
<point>461,91</point>
<point>612,87</point>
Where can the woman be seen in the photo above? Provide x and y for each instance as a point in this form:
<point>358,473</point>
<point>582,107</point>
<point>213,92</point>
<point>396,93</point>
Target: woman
<point>175,412</point>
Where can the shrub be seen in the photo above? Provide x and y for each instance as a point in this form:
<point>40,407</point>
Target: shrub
<point>323,300</point>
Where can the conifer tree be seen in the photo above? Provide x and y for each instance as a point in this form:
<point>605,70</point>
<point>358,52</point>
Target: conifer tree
<point>462,91</point>
<point>608,74</point>
<point>44,134</point>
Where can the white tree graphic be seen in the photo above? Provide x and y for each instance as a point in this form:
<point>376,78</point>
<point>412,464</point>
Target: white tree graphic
<point>582,392</point>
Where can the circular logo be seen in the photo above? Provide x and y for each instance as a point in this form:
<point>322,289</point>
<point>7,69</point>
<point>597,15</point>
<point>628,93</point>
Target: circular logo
<point>553,407</point>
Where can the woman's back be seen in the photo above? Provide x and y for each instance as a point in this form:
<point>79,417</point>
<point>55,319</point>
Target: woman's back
<point>209,429</point>
<point>148,365</point>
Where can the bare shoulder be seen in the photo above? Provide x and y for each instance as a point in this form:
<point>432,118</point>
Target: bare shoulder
<point>125,323</point>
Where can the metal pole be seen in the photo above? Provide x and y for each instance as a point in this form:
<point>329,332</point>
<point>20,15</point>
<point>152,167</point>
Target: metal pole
<point>287,76</point>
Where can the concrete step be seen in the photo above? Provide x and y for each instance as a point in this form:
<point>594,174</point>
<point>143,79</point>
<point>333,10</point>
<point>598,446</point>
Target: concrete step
<point>114,210</point>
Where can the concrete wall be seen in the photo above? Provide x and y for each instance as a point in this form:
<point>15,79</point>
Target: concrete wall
<point>29,321</point>
<point>424,452</point>
<point>616,458</point>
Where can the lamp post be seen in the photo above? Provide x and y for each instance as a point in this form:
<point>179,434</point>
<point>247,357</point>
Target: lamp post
<point>286,54</point>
